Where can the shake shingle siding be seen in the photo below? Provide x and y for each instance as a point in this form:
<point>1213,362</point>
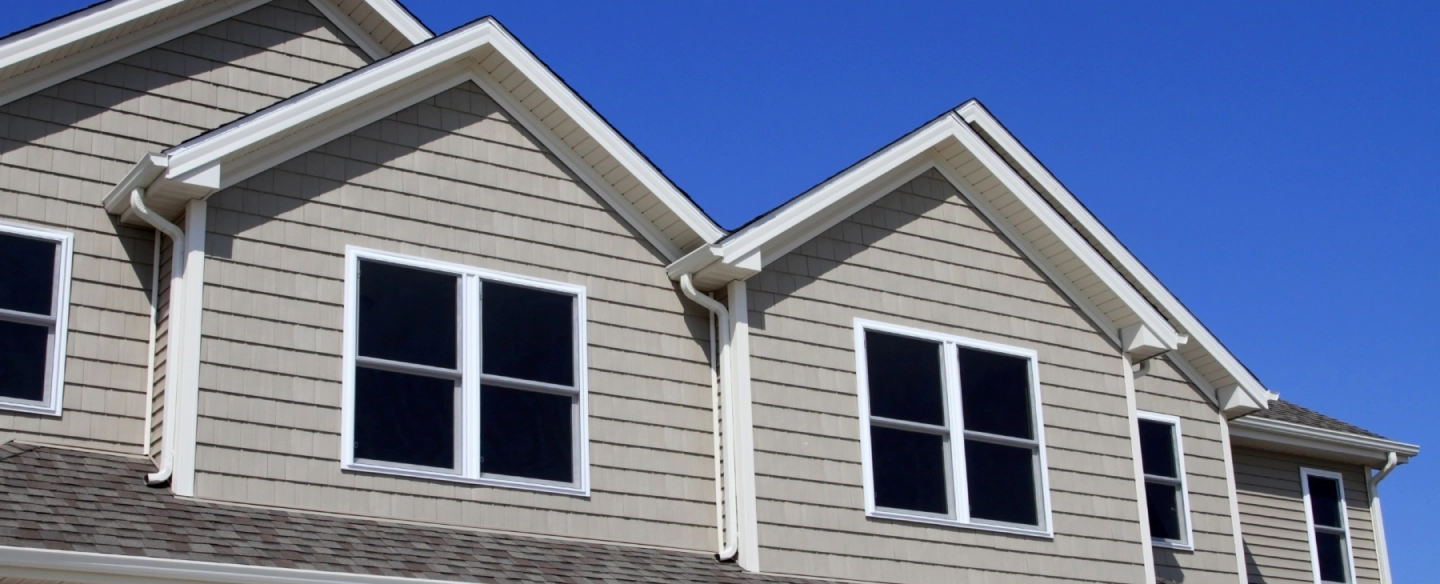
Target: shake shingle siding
<point>451,178</point>
<point>63,148</point>
<point>1165,391</point>
<point>1272,516</point>
<point>923,257</point>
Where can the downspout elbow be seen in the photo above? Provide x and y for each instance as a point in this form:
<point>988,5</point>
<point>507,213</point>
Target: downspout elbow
<point>1392,460</point>
<point>177,238</point>
<point>731,546</point>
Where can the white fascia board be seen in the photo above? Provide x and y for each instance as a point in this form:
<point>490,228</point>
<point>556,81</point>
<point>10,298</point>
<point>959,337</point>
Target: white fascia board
<point>351,29</point>
<point>605,135</point>
<point>1304,437</point>
<point>401,19</point>
<point>93,58</point>
<point>93,568</point>
<point>832,201</point>
<point>976,113</point>
<point>77,27</point>
<point>301,111</point>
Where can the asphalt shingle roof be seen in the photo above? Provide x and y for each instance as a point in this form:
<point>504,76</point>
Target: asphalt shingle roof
<point>64,499</point>
<point>1285,411</point>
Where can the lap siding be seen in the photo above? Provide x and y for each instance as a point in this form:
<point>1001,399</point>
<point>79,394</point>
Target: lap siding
<point>451,178</point>
<point>1272,515</point>
<point>921,256</point>
<point>65,146</point>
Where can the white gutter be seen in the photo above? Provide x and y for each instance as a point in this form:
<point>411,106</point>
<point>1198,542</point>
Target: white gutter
<point>150,357</point>
<point>1319,440</point>
<point>177,271</point>
<point>1382,551</point>
<point>731,528</point>
<point>92,568</point>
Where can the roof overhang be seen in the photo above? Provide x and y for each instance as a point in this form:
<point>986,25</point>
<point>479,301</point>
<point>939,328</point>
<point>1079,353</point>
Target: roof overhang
<point>949,145</point>
<point>1305,440</point>
<point>85,40</point>
<point>92,568</point>
<point>482,52</point>
<point>1208,362</point>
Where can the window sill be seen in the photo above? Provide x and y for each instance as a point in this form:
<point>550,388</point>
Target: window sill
<point>30,408</point>
<point>1012,530</point>
<point>1171,545</point>
<point>451,478</point>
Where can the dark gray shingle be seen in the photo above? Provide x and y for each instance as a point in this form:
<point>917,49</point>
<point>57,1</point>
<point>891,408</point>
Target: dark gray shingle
<point>72,500</point>
<point>1285,411</point>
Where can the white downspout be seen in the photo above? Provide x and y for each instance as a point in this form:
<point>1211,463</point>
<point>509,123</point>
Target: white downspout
<point>177,271</point>
<point>1377,520</point>
<point>731,539</point>
<point>150,357</point>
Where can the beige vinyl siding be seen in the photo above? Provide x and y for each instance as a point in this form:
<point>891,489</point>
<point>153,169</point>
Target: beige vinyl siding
<point>452,178</point>
<point>1272,517</point>
<point>923,257</point>
<point>1166,391</point>
<point>63,148</point>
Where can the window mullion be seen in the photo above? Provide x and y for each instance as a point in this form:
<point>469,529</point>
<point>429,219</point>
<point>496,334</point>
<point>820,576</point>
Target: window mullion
<point>26,317</point>
<point>470,312</point>
<point>955,419</point>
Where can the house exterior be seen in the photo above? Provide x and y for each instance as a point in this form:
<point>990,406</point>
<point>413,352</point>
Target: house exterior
<point>298,291</point>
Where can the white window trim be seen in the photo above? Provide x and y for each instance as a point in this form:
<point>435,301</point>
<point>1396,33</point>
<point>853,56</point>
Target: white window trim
<point>50,405</point>
<point>960,515</point>
<point>468,467</point>
<point>1188,530</point>
<point>1305,474</point>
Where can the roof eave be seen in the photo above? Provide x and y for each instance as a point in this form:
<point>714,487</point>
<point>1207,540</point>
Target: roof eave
<point>1321,442</point>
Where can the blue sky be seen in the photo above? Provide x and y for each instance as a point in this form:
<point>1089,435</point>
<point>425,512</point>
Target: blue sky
<point>1275,164</point>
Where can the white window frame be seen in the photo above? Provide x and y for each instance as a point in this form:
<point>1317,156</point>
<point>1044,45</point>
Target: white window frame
<point>467,469</point>
<point>959,515</point>
<point>58,320</point>
<point>1187,543</point>
<point>1343,530</point>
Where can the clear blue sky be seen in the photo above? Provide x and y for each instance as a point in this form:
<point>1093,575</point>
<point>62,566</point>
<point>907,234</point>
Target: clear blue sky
<point>1275,164</point>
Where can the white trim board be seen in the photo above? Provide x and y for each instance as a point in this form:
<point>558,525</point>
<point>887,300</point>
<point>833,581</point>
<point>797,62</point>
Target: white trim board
<point>226,156</point>
<point>790,226</point>
<point>974,112</point>
<point>1289,436</point>
<point>58,35</point>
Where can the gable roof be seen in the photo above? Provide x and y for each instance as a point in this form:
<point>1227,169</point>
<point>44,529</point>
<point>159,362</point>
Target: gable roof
<point>129,530</point>
<point>953,148</point>
<point>482,52</point>
<point>987,165</point>
<point>84,40</point>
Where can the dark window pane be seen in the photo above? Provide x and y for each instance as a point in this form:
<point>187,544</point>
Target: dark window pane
<point>1330,548</point>
<point>909,470</point>
<point>1002,483</point>
<point>1157,449</point>
<point>904,378</point>
<point>404,418</point>
<point>27,274</point>
<point>22,360</point>
<point>995,393</point>
<point>408,314</point>
<point>529,334</point>
<point>1164,507</point>
<point>526,434</point>
<point>1325,501</point>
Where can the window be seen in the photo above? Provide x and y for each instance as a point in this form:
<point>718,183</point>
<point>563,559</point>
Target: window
<point>1163,460</point>
<point>34,302</point>
<point>951,430</point>
<point>464,374</point>
<point>1329,528</point>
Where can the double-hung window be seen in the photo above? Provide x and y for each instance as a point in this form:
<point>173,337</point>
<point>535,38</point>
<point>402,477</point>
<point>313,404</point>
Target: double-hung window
<point>34,302</point>
<point>464,374</point>
<point>1330,555</point>
<point>951,430</point>
<point>1163,460</point>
